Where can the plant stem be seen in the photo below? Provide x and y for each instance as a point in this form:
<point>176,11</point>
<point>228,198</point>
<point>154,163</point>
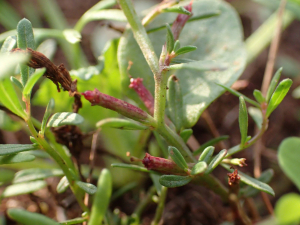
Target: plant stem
<point>143,203</point>
<point>161,206</point>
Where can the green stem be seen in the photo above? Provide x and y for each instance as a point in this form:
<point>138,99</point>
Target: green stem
<point>143,203</point>
<point>161,205</point>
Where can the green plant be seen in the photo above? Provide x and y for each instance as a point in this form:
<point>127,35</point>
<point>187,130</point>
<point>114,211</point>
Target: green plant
<point>167,105</point>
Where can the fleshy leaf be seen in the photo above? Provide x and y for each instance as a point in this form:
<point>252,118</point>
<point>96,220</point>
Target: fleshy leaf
<point>7,149</point>
<point>16,158</point>
<point>243,120</point>
<point>258,96</point>
<point>216,161</point>
<point>172,181</point>
<point>36,174</point>
<point>32,80</point>
<point>64,118</point>
<point>8,63</point>
<point>87,187</point>
<point>186,134</point>
<point>23,188</point>
<point>287,209</point>
<point>211,142</point>
<point>122,124</point>
<point>177,158</point>
<point>63,185</point>
<point>9,44</point>
<point>273,84</point>
<point>185,49</point>
<point>16,82</point>
<point>199,168</point>
<point>170,39</point>
<point>206,154</point>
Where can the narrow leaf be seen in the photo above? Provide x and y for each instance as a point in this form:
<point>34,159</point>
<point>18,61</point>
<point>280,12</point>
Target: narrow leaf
<point>133,167</point>
<point>36,174</point>
<point>273,83</point>
<point>177,9</point>
<point>87,187</point>
<point>170,39</point>
<point>258,96</point>
<point>177,158</point>
<point>122,124</point>
<point>278,95</point>
<point>7,149</point>
<point>63,185</point>
<point>23,188</point>
<point>102,198</point>
<point>202,65</point>
<point>72,36</point>
<point>32,80</point>
<point>8,63</point>
<point>256,115</point>
<point>243,120</point>
<point>48,112</point>
<point>16,158</point>
<point>216,161</point>
<point>186,134</point>
<point>206,154</point>
<point>172,181</point>
<point>78,220</point>
<point>29,218</point>
<point>6,123</point>
<point>16,82</point>
<point>185,49</point>
<point>64,118</point>
<point>199,168</point>
<point>9,44</point>
<point>211,142</point>
<point>176,45</point>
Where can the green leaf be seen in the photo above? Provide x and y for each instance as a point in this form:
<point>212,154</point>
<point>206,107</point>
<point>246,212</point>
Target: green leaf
<point>243,121</point>
<point>185,49</point>
<point>256,115</point>
<point>6,176</point>
<point>176,45</point>
<point>6,123</point>
<point>23,188</point>
<point>63,185</point>
<point>206,154</point>
<point>7,149</point>
<point>198,87</point>
<point>155,180</point>
<point>8,63</point>
<point>25,39</point>
<point>202,65</point>
<point>78,220</point>
<point>199,168</point>
<point>102,198</point>
<point>174,101</point>
<point>16,158</point>
<point>211,142</point>
<point>258,96</point>
<point>16,82</point>
<point>31,82</point>
<point>36,174</point>
<point>133,167</point>
<point>273,84</point>
<point>64,118</point>
<point>216,161</point>
<point>87,187</point>
<point>186,134</point>
<point>48,112</point>
<point>177,158</point>
<point>177,9</point>
<point>170,39</point>
<point>72,36</point>
<point>9,44</point>
<point>121,124</point>
<point>28,218</point>
<point>278,95</point>
<point>172,181</point>
<point>287,209</point>
<point>289,158</point>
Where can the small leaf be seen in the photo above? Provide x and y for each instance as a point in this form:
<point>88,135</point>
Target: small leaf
<point>177,9</point>
<point>206,154</point>
<point>36,174</point>
<point>72,36</point>
<point>258,96</point>
<point>278,95</point>
<point>243,120</point>
<point>199,168</point>
<point>211,142</point>
<point>177,158</point>
<point>87,187</point>
<point>186,134</point>
<point>176,45</point>
<point>7,149</point>
<point>172,181</point>
<point>9,44</point>
<point>16,82</point>
<point>287,209</point>
<point>273,84</point>
<point>133,167</point>
<point>202,65</point>
<point>170,39</point>
<point>101,198</point>
<point>78,220</point>
<point>6,176</point>
<point>23,188</point>
<point>31,82</point>
<point>62,185</point>
<point>256,115</point>
<point>48,112</point>
<point>64,118</point>
<point>185,49</point>
<point>16,158</point>
<point>29,218</point>
<point>121,124</point>
<point>216,161</point>
<point>6,123</point>
<point>8,63</point>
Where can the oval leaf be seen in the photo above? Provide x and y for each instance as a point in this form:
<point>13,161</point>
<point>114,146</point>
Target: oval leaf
<point>87,187</point>
<point>258,96</point>
<point>177,158</point>
<point>16,158</point>
<point>63,185</point>
<point>206,154</point>
<point>199,168</point>
<point>243,121</point>
<point>216,161</point>
<point>122,124</point>
<point>28,218</point>
<point>172,181</point>
<point>23,188</point>
<point>287,209</point>
<point>278,95</point>
<point>7,149</point>
<point>65,118</point>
